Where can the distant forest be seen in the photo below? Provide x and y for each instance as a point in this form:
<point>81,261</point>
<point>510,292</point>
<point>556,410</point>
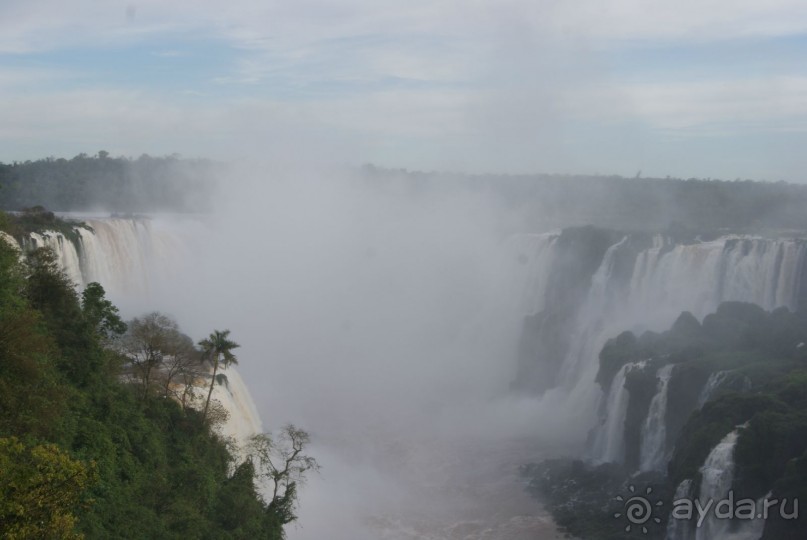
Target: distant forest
<point>113,184</point>
<point>535,202</point>
<point>671,205</point>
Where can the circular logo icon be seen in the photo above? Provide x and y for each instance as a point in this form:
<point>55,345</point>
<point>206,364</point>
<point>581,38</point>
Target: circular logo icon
<point>638,509</point>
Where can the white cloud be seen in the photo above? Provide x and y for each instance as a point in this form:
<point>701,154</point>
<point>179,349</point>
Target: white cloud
<point>750,104</point>
<point>286,24</point>
<point>702,20</point>
<point>442,83</point>
<point>13,80</point>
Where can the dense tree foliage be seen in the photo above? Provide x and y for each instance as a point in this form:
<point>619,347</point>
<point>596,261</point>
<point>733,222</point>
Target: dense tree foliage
<point>145,184</point>
<point>687,207</point>
<point>150,342</point>
<point>691,206</point>
<point>83,452</point>
<point>100,312</point>
<point>38,219</point>
<point>217,349</point>
<point>40,487</point>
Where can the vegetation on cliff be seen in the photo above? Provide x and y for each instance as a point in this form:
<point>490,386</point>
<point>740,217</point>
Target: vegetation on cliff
<point>741,367</point>
<point>86,451</point>
<point>38,219</point>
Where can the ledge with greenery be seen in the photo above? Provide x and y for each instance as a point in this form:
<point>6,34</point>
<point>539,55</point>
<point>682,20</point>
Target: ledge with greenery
<point>764,358</point>
<point>87,452</point>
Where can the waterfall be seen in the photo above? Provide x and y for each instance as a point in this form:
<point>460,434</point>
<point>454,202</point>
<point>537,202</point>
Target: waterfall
<point>637,285</point>
<point>714,382</point>
<point>535,253</point>
<point>697,277</point>
<point>114,254</point>
<point>129,257</point>
<point>679,529</point>
<point>720,381</point>
<point>717,475</point>
<point>648,291</point>
<point>609,441</point>
<point>653,450</point>
<point>65,250</point>
<point>243,420</point>
<point>600,299</point>
<point>762,271</point>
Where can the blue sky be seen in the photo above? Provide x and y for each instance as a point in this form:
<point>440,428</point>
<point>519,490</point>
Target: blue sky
<point>689,88</point>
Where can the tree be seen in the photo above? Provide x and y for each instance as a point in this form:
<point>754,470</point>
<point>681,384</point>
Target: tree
<point>41,488</point>
<point>284,464</point>
<point>187,378</point>
<point>217,348</point>
<point>50,292</point>
<point>80,454</point>
<point>100,312</point>
<point>150,342</point>
<point>180,363</point>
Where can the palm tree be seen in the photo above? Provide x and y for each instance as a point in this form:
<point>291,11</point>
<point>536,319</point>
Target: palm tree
<point>215,348</point>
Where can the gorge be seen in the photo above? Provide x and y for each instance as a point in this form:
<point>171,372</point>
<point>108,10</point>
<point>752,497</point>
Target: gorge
<point>433,342</point>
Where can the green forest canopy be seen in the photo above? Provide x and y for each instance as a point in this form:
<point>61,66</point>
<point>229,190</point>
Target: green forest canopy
<point>83,453</point>
<point>174,184</point>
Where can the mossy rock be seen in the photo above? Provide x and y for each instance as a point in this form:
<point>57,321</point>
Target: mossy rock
<point>708,426</point>
<point>585,499</point>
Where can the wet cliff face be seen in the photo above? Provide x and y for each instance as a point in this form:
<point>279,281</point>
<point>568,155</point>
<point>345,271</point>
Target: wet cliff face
<point>642,386</point>
<point>598,283</point>
<point>547,336</point>
<point>720,404</point>
<point>738,351</point>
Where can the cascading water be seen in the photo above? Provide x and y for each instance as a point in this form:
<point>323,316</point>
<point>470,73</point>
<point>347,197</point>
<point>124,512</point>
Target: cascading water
<point>653,450</point>
<point>762,271</point>
<point>634,286</point>
<point>601,298</point>
<point>714,382</point>
<point>129,256</point>
<point>65,250</point>
<point>678,529</point>
<point>717,477</point>
<point>668,279</point>
<point>719,381</point>
<point>535,253</point>
<point>243,420</point>
<point>609,443</point>
<point>126,255</point>
<point>648,293</point>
